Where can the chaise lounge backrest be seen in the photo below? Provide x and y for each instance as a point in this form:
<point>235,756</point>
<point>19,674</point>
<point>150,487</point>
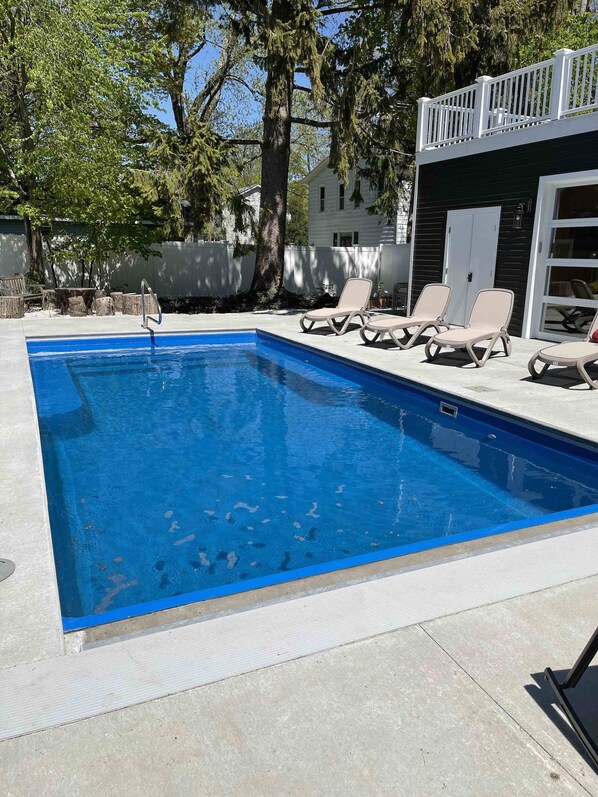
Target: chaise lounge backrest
<point>356,294</point>
<point>432,301</point>
<point>492,309</point>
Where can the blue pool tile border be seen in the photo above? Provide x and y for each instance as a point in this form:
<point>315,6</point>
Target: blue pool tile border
<point>505,422</point>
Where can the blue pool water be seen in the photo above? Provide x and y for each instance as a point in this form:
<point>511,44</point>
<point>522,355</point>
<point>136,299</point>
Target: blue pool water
<point>211,464</point>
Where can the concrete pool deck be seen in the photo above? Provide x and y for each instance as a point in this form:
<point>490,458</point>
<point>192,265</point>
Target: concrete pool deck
<point>467,679</point>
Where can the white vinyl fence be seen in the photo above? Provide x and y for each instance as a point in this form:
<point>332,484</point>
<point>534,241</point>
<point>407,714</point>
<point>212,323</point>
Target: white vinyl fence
<point>209,269</point>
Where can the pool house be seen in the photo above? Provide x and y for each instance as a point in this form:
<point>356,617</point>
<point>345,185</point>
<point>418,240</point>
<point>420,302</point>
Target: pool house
<point>507,194</point>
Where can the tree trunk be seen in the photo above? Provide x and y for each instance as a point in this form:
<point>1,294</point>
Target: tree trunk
<point>33,236</point>
<point>269,264</point>
<point>12,307</point>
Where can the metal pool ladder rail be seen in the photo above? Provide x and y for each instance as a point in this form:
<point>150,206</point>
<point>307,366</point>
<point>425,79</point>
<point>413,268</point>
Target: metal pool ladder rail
<point>147,318</point>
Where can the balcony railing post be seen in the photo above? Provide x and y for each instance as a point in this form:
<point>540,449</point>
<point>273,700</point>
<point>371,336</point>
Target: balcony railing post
<point>422,123</point>
<point>559,90</point>
<point>480,108</point>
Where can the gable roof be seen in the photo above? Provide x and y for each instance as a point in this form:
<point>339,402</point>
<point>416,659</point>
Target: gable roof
<point>323,164</point>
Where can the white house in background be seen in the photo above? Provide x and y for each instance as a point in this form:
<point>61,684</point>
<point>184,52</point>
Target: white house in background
<point>251,195</point>
<point>336,220</point>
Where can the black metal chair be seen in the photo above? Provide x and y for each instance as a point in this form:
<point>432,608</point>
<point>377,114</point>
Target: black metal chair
<point>570,682</point>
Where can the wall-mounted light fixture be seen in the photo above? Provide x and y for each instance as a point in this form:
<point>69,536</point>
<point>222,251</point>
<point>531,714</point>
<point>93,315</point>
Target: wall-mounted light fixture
<point>523,209</point>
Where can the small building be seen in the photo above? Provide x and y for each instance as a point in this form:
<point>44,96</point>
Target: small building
<point>338,211</point>
<point>251,196</point>
<point>507,194</point>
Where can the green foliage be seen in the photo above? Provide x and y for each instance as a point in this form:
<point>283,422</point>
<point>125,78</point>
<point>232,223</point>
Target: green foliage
<point>297,206</point>
<point>418,48</point>
<point>189,166</point>
<point>70,112</point>
<point>93,245</point>
<point>576,32</point>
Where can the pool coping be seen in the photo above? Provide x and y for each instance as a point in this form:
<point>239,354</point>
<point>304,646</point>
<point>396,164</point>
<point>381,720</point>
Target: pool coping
<point>29,609</point>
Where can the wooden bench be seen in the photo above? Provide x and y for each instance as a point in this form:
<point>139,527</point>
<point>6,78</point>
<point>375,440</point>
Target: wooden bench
<point>17,286</point>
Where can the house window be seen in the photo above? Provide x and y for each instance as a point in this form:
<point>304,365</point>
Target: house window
<point>322,199</point>
<point>345,239</point>
<point>355,239</point>
<point>357,198</point>
<point>341,196</point>
<point>335,239</point>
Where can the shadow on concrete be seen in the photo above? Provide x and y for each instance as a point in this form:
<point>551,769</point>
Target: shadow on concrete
<point>325,331</point>
<point>460,359</point>
<point>565,377</point>
<point>583,698</point>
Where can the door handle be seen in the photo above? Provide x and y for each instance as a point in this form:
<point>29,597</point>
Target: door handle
<point>470,276</point>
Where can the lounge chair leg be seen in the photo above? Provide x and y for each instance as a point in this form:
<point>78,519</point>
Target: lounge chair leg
<point>405,342</point>
<point>409,340</point>
<point>343,328</point>
<point>586,377</point>
<point>332,325</point>
<point>531,367</point>
<point>303,327</point>
<point>430,355</point>
<point>474,358</point>
<point>369,341</point>
<point>506,342</point>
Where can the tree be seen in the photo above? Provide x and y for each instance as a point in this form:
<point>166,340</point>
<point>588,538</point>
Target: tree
<point>578,29</point>
<point>196,63</point>
<point>364,73</point>
<point>70,109</point>
<point>297,216</point>
<point>390,57</point>
<point>287,34</point>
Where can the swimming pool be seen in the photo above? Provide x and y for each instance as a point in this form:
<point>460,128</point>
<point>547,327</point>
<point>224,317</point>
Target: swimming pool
<point>203,465</point>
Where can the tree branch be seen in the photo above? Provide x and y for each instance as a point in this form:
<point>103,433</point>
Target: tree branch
<point>300,120</point>
<point>347,9</point>
<point>301,88</point>
<point>248,141</point>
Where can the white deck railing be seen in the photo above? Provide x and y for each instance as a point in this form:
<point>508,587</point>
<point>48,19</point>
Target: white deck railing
<point>563,86</point>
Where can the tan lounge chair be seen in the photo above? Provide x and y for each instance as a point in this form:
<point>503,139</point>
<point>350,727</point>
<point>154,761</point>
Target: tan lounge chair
<point>428,312</point>
<point>488,321</point>
<point>352,302</point>
<point>572,353</point>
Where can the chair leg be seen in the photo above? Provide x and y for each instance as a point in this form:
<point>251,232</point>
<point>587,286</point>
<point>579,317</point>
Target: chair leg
<point>403,343</point>
<point>531,367</point>
<point>480,362</point>
<point>369,341</point>
<point>303,327</point>
<point>586,377</point>
<point>343,328</point>
<point>506,342</point>
<point>430,355</point>
<point>474,357</point>
<point>409,340</point>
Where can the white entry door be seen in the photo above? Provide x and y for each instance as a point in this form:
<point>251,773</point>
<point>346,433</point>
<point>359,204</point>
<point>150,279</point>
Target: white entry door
<point>469,257</point>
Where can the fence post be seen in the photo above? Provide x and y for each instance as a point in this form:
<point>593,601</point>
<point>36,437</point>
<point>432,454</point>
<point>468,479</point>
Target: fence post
<point>480,108</point>
<point>559,90</point>
<point>422,123</point>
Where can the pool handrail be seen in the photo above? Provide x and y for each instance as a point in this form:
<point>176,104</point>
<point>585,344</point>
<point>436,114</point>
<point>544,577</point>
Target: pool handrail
<point>146,318</point>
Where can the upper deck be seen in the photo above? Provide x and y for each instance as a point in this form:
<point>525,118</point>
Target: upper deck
<point>562,88</point>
